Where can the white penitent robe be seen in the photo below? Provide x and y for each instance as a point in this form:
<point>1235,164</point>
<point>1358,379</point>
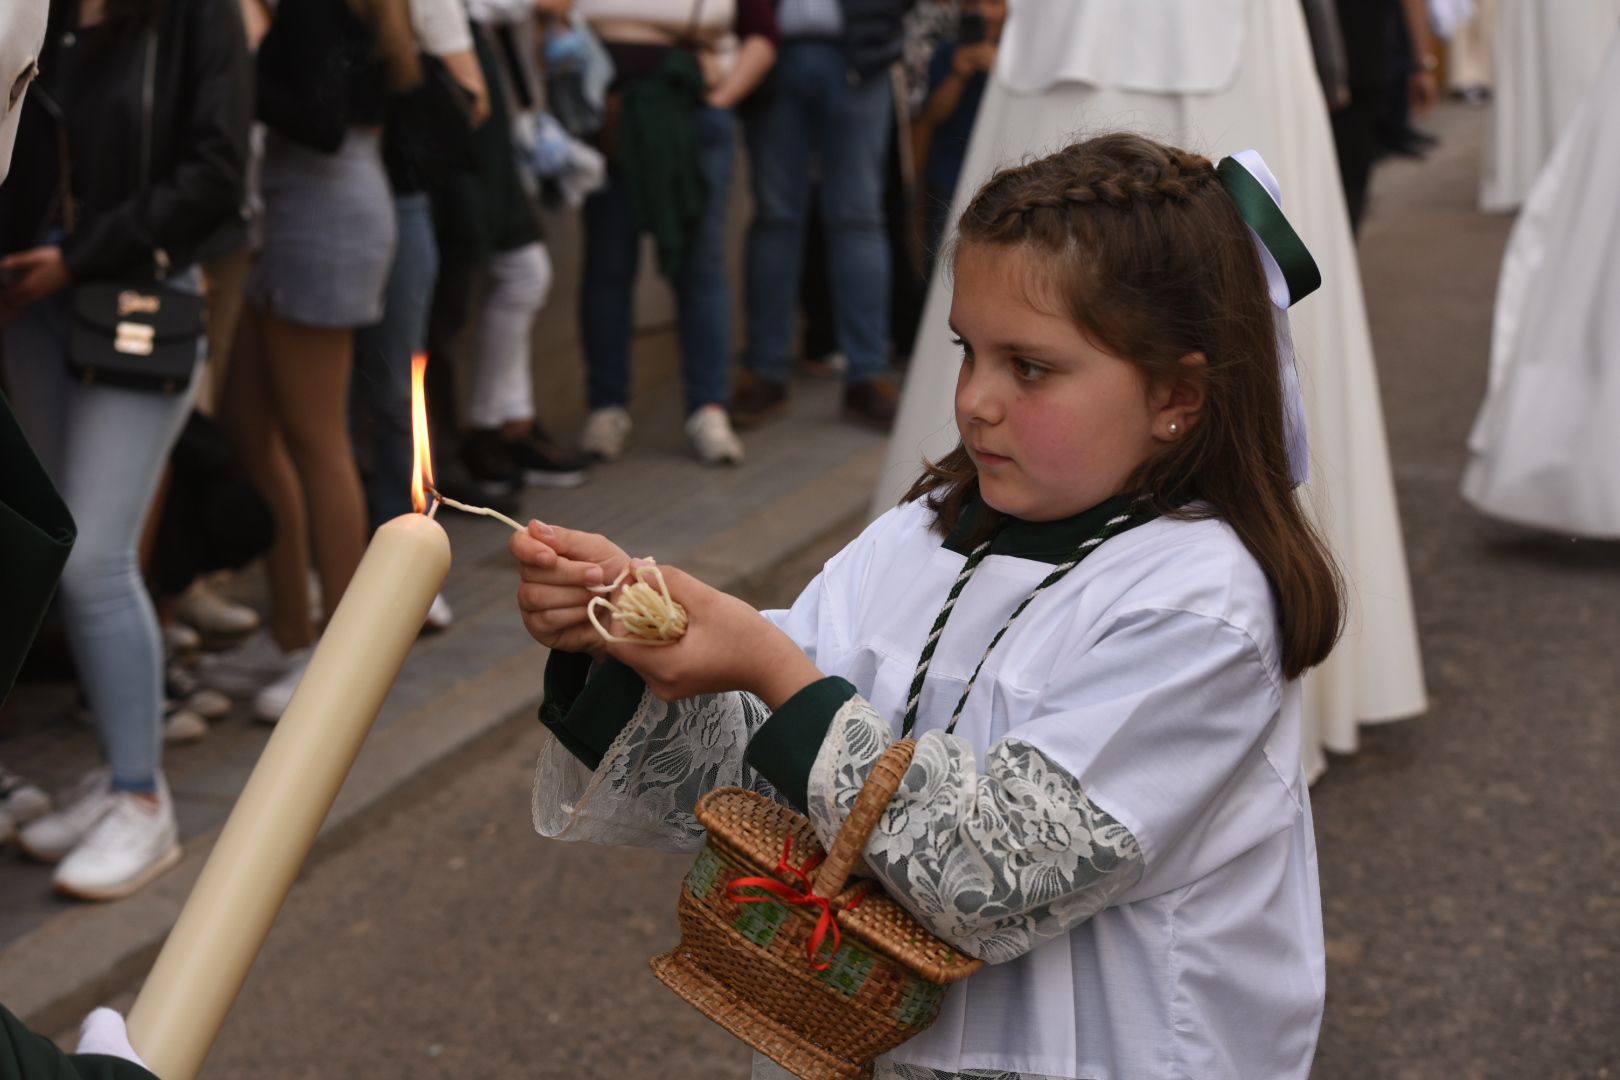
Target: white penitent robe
<point>1120,823</point>
<point>1545,448</point>
<point>1255,87</point>
<point>1547,52</point>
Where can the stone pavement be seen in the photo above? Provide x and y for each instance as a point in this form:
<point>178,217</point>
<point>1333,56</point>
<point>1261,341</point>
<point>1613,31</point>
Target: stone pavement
<point>805,474</point>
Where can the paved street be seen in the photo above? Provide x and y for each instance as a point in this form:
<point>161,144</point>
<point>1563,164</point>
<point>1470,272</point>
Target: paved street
<point>1470,859</point>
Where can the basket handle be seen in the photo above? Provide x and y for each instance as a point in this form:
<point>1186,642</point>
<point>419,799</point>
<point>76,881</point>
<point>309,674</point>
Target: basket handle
<point>881,784</point>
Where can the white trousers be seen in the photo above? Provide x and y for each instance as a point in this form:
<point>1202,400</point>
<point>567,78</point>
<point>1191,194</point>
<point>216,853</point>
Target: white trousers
<point>502,383</point>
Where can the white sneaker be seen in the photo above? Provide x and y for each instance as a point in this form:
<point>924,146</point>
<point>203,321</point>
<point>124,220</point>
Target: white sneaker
<point>20,801</point>
<point>53,835</point>
<point>179,638</point>
<point>439,616</point>
<point>181,725</point>
<point>209,704</point>
<point>246,668</point>
<point>181,684</point>
<point>605,433</point>
<point>271,702</point>
<point>317,601</point>
<point>709,430</point>
<point>132,843</point>
<point>211,613</point>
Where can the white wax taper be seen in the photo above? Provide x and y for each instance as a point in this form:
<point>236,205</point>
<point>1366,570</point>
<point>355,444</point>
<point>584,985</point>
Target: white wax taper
<point>264,843</point>
<point>484,510</point>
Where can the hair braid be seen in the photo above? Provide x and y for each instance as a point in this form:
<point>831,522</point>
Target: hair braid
<point>1123,179</point>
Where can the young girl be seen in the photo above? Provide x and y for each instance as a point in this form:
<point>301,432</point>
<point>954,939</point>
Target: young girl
<point>1093,614</point>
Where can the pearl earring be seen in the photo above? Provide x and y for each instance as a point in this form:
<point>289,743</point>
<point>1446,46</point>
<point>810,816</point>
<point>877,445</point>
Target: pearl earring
<point>1175,428</point>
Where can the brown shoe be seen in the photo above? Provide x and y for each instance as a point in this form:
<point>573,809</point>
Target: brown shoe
<point>756,400</point>
<point>872,402</point>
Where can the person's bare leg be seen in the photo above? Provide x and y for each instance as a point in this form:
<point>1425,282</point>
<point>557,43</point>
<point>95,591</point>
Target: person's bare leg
<point>248,418</point>
<point>308,369</point>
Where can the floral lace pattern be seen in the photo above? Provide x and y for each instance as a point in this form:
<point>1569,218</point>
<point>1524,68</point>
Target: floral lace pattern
<point>889,1071</point>
<point>648,784</point>
<point>994,863</point>
<point>766,1069</point>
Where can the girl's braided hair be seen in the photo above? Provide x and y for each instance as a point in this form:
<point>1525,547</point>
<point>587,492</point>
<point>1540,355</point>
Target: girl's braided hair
<point>1151,259</point>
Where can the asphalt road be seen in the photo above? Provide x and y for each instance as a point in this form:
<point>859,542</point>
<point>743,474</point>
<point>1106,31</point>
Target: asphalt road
<point>1470,859</point>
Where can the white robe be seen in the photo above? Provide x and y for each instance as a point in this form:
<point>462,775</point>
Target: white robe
<point>1545,447</point>
<point>1141,692</point>
<point>1547,52</point>
<point>1270,101</point>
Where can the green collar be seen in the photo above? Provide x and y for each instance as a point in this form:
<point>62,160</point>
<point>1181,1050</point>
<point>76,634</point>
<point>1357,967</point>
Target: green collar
<point>1049,542</point>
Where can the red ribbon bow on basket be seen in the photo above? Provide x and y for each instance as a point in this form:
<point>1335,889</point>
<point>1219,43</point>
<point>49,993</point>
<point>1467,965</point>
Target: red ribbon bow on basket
<point>803,896</point>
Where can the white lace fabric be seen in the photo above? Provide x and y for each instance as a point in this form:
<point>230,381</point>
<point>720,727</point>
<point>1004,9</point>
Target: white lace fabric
<point>646,788</point>
<point>994,863</point>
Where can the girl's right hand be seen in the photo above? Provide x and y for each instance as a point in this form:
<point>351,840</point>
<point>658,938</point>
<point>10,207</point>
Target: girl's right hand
<point>557,566</point>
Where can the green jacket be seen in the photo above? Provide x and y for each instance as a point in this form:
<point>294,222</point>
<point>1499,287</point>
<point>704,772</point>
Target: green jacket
<point>36,534</point>
<point>658,157</point>
<point>27,1056</point>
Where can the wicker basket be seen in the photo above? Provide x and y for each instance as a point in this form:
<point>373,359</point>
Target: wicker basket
<point>751,919</point>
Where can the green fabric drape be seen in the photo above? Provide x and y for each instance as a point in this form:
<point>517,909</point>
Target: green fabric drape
<point>36,534</point>
<point>658,156</point>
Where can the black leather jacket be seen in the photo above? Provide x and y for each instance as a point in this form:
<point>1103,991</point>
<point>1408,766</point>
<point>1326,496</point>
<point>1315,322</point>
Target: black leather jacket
<point>179,112</point>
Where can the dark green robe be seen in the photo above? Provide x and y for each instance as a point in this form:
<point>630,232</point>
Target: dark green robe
<point>27,1056</point>
<point>36,534</point>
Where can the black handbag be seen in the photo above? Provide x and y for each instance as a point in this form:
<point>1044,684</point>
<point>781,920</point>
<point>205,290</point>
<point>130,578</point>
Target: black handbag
<point>136,332</point>
<point>142,336</point>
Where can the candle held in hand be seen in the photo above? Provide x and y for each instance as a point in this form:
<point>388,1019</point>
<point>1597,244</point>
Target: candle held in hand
<point>273,825</point>
<point>270,832</point>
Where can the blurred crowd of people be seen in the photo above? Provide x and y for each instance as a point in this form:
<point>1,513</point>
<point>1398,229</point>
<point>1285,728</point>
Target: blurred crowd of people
<point>337,185</point>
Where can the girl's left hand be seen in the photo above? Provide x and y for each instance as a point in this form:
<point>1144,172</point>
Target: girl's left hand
<point>728,646</point>
<point>34,275</point>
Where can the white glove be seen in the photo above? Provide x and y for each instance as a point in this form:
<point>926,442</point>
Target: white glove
<point>103,1032</point>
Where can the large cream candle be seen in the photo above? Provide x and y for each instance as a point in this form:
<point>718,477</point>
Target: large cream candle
<point>252,867</point>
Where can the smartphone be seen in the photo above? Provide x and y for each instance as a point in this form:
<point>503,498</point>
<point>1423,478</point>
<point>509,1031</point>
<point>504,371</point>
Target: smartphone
<point>970,28</point>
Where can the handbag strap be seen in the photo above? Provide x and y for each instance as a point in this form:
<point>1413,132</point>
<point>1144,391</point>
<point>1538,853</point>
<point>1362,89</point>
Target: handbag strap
<point>160,258</point>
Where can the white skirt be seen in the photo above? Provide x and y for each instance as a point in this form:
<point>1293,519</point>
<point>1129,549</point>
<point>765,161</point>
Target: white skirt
<point>1274,105</point>
<point>1547,52</point>
<point>1545,445</point>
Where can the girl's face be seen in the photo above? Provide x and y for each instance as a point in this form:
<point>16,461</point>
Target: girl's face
<point>1054,424</point>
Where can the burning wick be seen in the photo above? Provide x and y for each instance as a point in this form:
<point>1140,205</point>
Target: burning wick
<point>422,467</point>
<point>484,510</point>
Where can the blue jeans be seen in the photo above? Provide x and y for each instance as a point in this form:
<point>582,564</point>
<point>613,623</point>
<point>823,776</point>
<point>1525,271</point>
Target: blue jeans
<point>815,109</point>
<point>702,292</point>
<point>381,388</point>
<point>105,448</point>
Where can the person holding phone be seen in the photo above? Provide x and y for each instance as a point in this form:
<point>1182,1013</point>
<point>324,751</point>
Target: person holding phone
<point>939,134</point>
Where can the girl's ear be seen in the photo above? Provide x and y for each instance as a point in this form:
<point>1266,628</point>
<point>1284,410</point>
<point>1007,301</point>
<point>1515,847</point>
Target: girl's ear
<point>1180,400</point>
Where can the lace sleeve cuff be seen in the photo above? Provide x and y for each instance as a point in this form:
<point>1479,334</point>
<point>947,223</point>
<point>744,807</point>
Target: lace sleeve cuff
<point>588,709</point>
<point>786,746</point>
<point>995,862</point>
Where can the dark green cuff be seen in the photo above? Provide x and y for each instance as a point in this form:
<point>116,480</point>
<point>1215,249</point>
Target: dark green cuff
<point>587,709</point>
<point>785,747</point>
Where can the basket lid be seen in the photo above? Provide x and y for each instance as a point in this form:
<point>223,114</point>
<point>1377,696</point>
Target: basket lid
<point>754,829</point>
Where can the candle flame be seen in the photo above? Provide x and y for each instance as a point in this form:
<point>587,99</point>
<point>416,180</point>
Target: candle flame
<point>422,466</point>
